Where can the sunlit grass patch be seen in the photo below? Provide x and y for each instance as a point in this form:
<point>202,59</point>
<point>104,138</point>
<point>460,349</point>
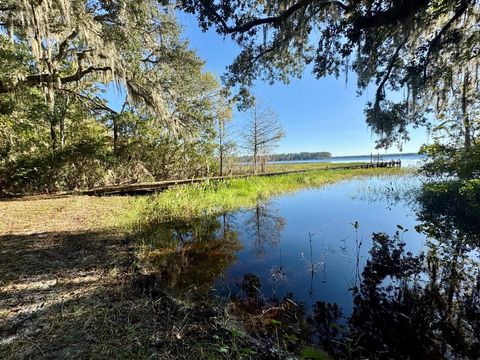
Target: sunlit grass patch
<point>204,199</point>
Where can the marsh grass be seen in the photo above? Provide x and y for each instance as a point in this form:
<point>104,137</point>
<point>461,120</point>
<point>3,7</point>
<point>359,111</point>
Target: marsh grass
<point>291,166</point>
<point>193,201</point>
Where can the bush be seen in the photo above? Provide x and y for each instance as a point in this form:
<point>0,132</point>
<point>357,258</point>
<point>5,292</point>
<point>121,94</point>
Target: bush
<point>451,161</point>
<point>78,166</point>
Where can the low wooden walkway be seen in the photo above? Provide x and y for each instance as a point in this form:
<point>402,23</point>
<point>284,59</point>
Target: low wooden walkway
<point>146,188</point>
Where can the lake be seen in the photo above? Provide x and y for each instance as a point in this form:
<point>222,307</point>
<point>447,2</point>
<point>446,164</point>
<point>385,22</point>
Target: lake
<point>313,252</point>
<point>407,159</point>
<point>285,238</point>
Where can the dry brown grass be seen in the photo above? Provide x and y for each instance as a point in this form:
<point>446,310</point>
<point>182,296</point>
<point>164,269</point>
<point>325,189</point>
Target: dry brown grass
<point>55,252</point>
<point>70,213</point>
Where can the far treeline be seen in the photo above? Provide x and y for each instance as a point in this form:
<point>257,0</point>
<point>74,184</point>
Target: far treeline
<point>292,156</point>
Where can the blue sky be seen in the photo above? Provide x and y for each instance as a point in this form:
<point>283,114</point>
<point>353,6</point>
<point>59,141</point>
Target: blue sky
<point>317,115</point>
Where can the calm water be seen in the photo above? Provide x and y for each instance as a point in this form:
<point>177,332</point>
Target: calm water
<point>412,290</point>
<point>276,235</point>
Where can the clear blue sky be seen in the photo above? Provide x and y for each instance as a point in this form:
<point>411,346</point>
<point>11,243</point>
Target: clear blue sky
<point>317,115</point>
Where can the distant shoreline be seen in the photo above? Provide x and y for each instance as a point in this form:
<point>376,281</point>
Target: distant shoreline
<point>246,158</point>
<point>351,158</point>
<point>407,159</point>
<point>377,154</point>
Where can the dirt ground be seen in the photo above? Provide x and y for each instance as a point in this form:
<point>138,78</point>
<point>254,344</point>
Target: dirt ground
<point>70,289</point>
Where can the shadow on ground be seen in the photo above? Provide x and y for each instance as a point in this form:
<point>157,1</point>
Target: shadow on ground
<point>78,295</point>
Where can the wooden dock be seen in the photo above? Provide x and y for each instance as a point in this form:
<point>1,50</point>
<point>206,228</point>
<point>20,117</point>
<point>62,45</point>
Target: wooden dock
<point>151,187</point>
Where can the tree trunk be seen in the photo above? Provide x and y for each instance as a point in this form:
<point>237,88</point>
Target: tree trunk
<point>466,120</point>
<point>115,134</point>
<point>221,162</point>
<point>53,133</point>
<point>255,159</point>
<point>62,132</point>
<point>221,134</point>
<point>255,139</point>
<point>10,25</point>
<point>62,122</point>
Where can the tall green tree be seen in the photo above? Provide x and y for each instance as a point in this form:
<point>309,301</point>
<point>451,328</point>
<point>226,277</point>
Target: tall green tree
<point>68,43</point>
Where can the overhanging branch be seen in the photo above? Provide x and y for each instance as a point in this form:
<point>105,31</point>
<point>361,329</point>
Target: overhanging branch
<point>438,38</point>
<point>400,11</point>
<point>39,79</point>
<point>391,65</point>
<point>271,20</point>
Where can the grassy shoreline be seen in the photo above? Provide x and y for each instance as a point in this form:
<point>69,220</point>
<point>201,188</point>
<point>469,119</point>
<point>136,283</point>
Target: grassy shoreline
<point>70,285</point>
<point>204,199</point>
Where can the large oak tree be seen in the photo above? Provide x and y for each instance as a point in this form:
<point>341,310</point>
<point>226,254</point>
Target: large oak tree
<point>61,46</point>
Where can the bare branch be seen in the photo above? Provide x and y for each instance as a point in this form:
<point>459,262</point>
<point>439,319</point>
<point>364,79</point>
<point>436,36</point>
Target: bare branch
<point>391,65</point>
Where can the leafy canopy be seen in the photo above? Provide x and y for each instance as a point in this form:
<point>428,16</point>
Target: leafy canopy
<point>61,46</point>
<point>421,48</point>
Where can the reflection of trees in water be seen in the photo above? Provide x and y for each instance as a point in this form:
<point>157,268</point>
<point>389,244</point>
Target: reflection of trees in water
<point>265,226</point>
<point>406,306</point>
<point>416,306</point>
<point>445,213</point>
<point>197,252</point>
<point>313,267</point>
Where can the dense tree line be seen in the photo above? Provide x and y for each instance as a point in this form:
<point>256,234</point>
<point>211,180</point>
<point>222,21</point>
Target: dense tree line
<point>319,155</point>
<point>301,156</point>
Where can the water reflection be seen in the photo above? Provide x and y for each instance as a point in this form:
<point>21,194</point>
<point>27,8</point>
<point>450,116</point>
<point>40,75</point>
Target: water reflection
<point>191,255</point>
<point>421,306</point>
<point>391,191</point>
<point>307,269</point>
<point>264,226</point>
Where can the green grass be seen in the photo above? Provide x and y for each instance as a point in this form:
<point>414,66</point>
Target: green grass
<point>205,199</point>
<point>280,167</point>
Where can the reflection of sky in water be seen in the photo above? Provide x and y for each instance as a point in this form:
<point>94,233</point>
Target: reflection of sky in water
<point>327,214</point>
